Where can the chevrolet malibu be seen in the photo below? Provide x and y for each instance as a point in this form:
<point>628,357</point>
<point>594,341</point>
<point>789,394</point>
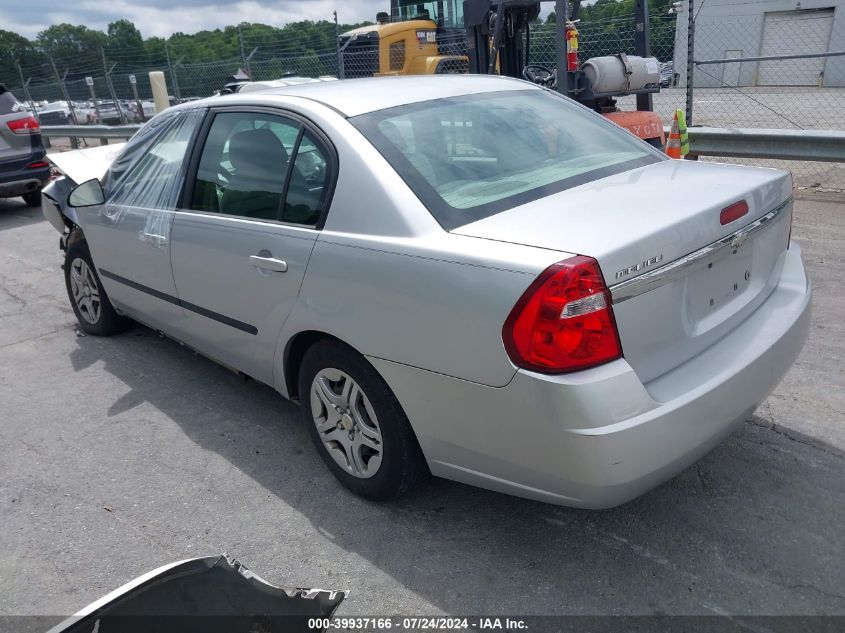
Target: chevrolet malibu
<point>468,276</point>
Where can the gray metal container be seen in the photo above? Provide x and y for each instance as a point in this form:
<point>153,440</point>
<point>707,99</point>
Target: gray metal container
<point>607,75</point>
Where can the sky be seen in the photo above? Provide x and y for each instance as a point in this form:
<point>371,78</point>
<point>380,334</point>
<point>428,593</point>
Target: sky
<point>164,17</point>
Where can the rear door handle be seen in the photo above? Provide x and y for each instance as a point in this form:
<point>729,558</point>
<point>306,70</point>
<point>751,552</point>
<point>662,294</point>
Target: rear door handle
<point>268,263</point>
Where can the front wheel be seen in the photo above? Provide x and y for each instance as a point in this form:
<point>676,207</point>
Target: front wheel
<point>88,298</point>
<point>356,423</point>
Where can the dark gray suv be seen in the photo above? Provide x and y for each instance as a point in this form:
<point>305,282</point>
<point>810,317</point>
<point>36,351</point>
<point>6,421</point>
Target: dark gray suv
<point>24,169</point>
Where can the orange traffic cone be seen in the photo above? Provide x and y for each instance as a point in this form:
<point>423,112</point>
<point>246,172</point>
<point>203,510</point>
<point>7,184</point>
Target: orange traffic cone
<point>673,145</point>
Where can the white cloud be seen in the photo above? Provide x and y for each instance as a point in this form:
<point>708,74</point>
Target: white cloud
<point>181,16</point>
<point>187,16</point>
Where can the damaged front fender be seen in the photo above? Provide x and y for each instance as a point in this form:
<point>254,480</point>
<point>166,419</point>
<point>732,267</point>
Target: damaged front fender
<point>54,204</point>
<point>214,594</point>
<point>77,166</point>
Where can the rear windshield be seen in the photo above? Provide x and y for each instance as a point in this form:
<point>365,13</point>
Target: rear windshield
<point>472,156</point>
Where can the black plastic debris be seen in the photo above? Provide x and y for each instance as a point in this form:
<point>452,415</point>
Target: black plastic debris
<point>210,595</point>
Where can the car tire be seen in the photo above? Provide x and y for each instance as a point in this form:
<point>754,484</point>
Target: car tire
<point>366,441</point>
<point>33,198</point>
<point>88,297</point>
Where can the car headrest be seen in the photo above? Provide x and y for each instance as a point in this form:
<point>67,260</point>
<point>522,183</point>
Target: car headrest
<point>257,149</point>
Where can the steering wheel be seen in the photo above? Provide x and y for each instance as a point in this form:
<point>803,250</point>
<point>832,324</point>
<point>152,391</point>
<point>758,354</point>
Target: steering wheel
<point>539,74</point>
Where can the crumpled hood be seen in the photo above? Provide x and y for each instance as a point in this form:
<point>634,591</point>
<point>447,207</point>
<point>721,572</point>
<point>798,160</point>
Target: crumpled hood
<point>81,165</point>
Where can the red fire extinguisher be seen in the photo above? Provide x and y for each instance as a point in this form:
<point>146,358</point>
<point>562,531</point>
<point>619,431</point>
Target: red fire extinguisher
<point>571,47</point>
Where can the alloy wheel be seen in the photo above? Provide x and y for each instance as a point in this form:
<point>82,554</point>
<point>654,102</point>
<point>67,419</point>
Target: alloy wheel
<point>346,422</point>
<point>86,292</point>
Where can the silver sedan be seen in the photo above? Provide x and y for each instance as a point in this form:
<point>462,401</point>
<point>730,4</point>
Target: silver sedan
<point>459,275</point>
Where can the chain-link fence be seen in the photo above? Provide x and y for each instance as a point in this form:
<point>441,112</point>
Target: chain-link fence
<point>604,37</point>
<point>357,55</point>
<point>787,74</point>
<point>798,84</point>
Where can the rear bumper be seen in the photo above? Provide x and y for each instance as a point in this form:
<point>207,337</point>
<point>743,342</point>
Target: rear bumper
<point>600,437</point>
<point>22,186</point>
<point>16,179</point>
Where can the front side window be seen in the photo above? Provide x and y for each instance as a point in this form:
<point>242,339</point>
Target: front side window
<point>252,162</point>
<point>151,168</point>
<point>472,156</point>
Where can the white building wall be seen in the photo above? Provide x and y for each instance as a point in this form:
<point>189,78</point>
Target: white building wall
<point>725,25</point>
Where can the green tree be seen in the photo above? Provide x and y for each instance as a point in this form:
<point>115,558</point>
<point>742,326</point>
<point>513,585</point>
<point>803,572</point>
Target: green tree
<point>15,49</point>
<point>306,46</point>
<point>73,47</point>
<point>124,36</point>
<point>154,51</point>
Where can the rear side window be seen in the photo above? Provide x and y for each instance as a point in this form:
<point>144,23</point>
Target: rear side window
<point>472,156</point>
<point>261,166</point>
<point>309,182</point>
<point>150,170</point>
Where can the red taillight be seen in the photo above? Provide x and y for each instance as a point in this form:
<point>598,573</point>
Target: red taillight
<point>564,321</point>
<point>733,212</point>
<point>29,125</point>
<point>38,164</point>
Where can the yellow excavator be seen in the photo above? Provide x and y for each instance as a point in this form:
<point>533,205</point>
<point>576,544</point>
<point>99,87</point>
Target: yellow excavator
<point>415,38</point>
<point>491,36</point>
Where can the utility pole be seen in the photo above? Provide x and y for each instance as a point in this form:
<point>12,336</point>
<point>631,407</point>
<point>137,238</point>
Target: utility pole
<point>173,78</point>
<point>26,94</point>
<point>642,46</point>
<point>248,67</point>
<point>561,18</point>
<point>63,88</point>
<point>690,60</point>
<point>340,69</point>
<point>133,82</point>
<point>121,115</point>
<point>244,58</point>
<point>90,83</point>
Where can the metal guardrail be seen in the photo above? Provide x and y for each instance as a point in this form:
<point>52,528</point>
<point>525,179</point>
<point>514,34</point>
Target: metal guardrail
<point>810,145</point>
<point>767,58</point>
<point>76,132</point>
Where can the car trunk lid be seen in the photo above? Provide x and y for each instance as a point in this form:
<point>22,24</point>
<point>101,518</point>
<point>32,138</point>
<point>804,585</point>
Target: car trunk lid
<point>650,221</point>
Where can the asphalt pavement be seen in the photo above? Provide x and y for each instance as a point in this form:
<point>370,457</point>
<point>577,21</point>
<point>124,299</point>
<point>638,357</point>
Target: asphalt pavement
<point>118,455</point>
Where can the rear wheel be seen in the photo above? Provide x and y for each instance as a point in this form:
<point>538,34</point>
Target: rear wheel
<point>88,298</point>
<point>356,423</point>
<point>33,198</point>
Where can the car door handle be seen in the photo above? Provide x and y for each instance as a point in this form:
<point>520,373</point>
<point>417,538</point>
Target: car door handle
<point>268,263</point>
<point>155,240</point>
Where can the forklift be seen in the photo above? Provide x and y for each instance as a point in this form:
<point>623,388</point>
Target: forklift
<point>498,42</point>
<point>493,37</point>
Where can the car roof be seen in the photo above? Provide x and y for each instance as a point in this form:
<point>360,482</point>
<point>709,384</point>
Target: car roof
<point>352,97</point>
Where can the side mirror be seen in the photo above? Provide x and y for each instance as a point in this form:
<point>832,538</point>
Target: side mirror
<point>88,194</point>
